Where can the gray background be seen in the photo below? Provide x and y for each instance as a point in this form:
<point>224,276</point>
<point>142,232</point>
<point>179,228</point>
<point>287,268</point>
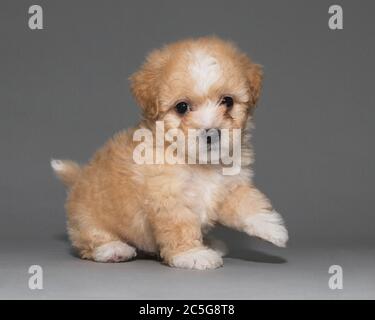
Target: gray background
<point>64,92</point>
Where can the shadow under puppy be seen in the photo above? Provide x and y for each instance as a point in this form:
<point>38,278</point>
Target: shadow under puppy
<point>116,206</point>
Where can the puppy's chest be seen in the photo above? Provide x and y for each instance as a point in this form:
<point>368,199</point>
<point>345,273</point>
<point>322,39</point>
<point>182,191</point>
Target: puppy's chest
<point>204,192</point>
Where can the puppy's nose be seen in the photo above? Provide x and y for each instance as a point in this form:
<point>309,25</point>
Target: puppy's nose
<point>213,134</point>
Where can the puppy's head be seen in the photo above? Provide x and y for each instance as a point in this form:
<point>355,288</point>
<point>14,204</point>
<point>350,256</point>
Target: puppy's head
<point>203,83</point>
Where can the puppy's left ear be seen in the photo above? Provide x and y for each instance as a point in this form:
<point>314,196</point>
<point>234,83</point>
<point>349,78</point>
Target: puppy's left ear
<point>254,74</point>
<point>144,85</point>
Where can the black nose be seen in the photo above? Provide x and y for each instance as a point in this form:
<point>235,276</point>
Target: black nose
<point>213,134</point>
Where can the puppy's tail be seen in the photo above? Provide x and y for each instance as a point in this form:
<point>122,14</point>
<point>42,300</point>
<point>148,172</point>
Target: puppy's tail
<point>68,171</point>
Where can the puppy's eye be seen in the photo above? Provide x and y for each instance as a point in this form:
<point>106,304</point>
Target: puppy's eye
<point>182,107</point>
<point>227,101</point>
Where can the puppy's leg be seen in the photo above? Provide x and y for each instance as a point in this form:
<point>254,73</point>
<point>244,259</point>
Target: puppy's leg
<point>248,210</point>
<point>177,231</point>
<point>96,244</point>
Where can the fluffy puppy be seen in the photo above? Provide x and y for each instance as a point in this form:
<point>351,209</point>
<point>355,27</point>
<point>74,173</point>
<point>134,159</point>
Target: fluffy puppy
<point>116,206</point>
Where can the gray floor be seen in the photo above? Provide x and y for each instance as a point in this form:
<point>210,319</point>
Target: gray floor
<point>262,273</point>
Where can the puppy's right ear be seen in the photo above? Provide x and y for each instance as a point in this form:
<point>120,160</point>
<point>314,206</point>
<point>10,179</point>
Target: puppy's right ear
<point>144,84</point>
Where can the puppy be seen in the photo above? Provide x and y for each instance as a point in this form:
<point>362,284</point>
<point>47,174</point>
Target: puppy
<point>116,206</point>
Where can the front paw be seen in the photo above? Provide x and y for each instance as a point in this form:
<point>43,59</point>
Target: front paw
<point>268,226</point>
<point>200,259</point>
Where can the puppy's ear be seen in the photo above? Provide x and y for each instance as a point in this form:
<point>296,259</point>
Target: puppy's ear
<point>254,74</point>
<point>144,84</point>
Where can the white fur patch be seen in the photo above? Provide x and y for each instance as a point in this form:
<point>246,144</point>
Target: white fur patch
<point>203,191</point>
<point>268,226</point>
<point>200,259</point>
<point>205,71</point>
<point>114,251</point>
<point>57,165</point>
<point>206,116</point>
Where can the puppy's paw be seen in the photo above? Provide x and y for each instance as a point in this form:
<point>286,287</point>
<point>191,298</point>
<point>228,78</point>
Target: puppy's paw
<point>200,259</point>
<point>115,251</point>
<point>268,226</point>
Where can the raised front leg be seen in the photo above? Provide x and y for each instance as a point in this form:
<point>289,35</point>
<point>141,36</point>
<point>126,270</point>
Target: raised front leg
<point>177,231</point>
<point>247,209</point>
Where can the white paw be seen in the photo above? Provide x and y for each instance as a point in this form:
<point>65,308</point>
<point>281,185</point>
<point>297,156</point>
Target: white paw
<point>115,251</point>
<point>200,259</point>
<point>268,226</point>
